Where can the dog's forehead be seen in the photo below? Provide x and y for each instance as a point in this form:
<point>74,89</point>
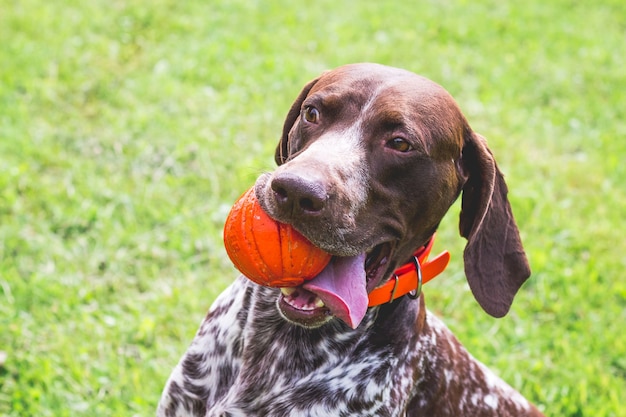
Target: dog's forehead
<point>393,95</point>
<point>379,86</point>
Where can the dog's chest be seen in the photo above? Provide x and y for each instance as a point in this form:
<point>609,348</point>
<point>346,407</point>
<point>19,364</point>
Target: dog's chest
<point>330,390</point>
<point>285,370</point>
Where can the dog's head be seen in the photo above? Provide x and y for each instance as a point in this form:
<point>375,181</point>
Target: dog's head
<point>370,160</point>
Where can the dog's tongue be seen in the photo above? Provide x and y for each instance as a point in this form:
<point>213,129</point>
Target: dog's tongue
<point>342,288</point>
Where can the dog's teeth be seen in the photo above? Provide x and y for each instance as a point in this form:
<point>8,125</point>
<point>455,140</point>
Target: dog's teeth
<point>319,303</point>
<point>287,291</point>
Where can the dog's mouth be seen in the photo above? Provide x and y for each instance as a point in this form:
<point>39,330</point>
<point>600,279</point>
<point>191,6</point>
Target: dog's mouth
<point>340,290</point>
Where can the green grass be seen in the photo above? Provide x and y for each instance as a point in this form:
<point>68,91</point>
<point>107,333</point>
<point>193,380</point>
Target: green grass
<point>127,129</point>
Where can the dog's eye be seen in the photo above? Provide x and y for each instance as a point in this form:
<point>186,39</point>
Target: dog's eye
<point>311,114</point>
<point>399,144</point>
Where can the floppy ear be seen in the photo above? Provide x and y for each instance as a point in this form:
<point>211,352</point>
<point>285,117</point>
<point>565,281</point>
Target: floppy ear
<point>282,150</point>
<point>495,262</point>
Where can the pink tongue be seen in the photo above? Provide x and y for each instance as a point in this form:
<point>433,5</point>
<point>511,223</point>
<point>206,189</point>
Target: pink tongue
<point>341,286</point>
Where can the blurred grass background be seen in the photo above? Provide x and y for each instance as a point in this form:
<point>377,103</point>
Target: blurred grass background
<point>128,128</point>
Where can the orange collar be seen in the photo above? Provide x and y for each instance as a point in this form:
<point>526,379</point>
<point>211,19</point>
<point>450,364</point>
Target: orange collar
<point>410,276</point>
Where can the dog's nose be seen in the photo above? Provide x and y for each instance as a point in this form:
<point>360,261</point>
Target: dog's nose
<point>299,195</point>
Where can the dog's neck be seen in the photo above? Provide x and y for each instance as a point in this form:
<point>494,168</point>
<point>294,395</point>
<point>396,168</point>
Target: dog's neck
<point>266,323</point>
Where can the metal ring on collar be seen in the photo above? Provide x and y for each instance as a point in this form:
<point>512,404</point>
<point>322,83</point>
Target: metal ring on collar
<point>395,287</point>
<point>418,291</point>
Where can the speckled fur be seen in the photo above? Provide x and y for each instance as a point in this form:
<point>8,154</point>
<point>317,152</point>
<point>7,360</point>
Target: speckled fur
<point>401,361</point>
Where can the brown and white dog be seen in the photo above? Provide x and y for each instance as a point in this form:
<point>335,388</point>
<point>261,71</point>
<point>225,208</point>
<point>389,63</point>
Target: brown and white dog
<point>370,160</point>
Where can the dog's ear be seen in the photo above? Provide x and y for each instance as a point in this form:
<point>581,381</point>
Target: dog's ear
<point>282,150</point>
<point>495,262</point>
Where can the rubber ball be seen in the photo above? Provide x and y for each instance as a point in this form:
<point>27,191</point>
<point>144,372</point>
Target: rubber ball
<point>268,252</point>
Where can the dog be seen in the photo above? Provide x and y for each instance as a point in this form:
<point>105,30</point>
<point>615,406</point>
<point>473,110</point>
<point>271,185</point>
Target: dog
<point>370,159</point>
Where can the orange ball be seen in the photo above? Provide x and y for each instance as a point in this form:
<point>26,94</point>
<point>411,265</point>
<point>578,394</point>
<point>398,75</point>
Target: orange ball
<point>268,252</point>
